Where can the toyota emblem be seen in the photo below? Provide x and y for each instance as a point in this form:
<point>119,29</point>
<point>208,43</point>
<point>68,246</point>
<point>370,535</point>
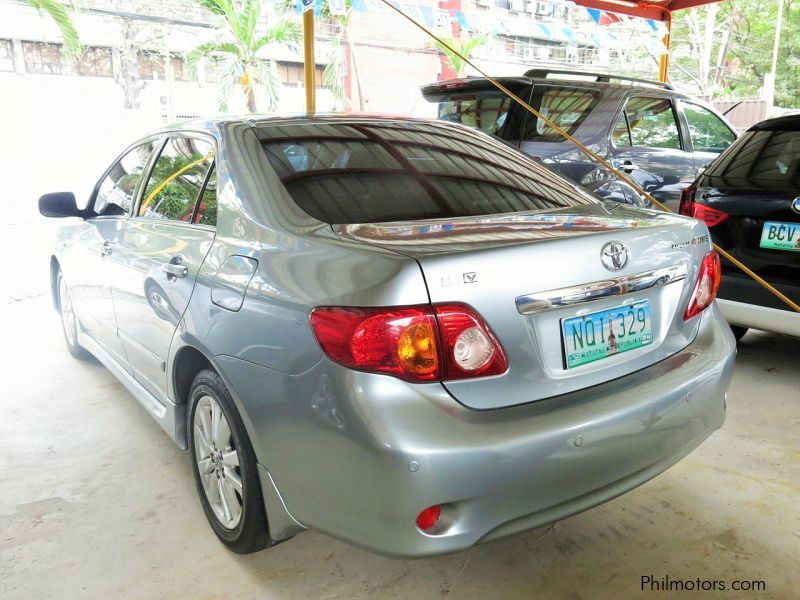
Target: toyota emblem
<point>615,256</point>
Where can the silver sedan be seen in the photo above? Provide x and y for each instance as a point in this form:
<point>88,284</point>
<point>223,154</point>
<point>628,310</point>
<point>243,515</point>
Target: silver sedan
<point>398,332</point>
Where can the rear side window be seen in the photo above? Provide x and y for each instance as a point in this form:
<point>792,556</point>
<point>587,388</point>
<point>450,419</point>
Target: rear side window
<point>647,123</point>
<point>709,133</point>
<point>767,155</point>
<point>567,107</point>
<point>116,190</point>
<point>377,171</point>
<point>176,179</point>
<point>487,111</point>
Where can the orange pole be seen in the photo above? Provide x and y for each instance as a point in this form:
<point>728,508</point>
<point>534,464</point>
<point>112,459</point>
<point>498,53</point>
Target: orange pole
<point>309,64</point>
<point>663,60</point>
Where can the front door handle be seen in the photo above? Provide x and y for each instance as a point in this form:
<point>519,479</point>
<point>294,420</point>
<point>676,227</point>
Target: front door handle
<point>175,269</point>
<point>627,166</point>
<point>105,249</point>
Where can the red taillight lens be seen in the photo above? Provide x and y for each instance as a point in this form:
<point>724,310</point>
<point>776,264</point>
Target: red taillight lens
<point>416,343</point>
<point>691,208</point>
<point>705,290</point>
<point>399,341</point>
<point>428,518</point>
<point>469,348</point>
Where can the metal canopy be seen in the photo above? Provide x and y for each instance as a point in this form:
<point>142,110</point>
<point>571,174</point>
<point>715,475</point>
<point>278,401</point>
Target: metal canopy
<point>656,9</point>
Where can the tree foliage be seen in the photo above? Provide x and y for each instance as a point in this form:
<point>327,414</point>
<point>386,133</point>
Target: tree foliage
<point>464,46</point>
<point>59,13</point>
<point>725,50</point>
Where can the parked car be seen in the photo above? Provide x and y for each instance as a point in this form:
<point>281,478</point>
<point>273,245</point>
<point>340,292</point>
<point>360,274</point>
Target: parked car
<point>750,199</point>
<point>399,332</point>
<point>659,137</point>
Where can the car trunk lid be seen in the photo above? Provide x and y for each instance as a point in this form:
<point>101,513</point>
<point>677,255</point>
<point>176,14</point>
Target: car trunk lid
<point>504,265</point>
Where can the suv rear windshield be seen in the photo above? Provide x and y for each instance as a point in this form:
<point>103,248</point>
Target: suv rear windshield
<point>766,155</point>
<point>567,107</point>
<point>377,171</point>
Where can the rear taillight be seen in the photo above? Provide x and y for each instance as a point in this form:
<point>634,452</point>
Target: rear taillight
<point>705,290</point>
<point>691,208</point>
<point>417,343</point>
<point>469,348</point>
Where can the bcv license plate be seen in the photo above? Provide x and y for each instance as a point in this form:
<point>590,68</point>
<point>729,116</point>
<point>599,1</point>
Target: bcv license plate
<point>604,333</point>
<point>780,236</point>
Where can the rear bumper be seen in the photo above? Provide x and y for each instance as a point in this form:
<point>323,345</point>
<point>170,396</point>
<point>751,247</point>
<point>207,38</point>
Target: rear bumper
<point>358,456</point>
<point>760,317</point>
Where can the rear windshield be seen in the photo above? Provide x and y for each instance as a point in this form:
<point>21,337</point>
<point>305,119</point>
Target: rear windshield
<point>377,171</point>
<point>485,110</point>
<point>766,155</point>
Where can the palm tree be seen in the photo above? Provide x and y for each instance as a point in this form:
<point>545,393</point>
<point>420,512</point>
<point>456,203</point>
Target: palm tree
<point>464,46</point>
<point>238,53</point>
<point>60,15</point>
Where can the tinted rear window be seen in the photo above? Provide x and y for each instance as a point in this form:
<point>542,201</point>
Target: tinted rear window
<point>489,111</point>
<point>378,171</point>
<point>567,107</point>
<point>767,155</point>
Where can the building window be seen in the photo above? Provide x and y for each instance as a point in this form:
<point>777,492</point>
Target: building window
<point>292,73</point>
<point>95,62</point>
<point>41,57</point>
<point>6,55</point>
<point>153,65</point>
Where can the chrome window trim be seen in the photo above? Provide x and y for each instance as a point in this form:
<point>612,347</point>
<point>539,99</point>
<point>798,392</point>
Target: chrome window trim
<point>597,290</point>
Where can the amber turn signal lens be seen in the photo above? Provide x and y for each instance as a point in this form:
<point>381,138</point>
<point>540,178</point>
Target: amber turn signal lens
<point>416,348</point>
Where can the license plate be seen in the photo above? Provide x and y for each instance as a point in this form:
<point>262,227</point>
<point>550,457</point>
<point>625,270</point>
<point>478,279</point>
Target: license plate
<point>604,333</point>
<point>780,236</point>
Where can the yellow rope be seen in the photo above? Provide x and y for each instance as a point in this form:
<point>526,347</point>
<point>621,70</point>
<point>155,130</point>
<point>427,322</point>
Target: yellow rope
<point>594,156</point>
<point>177,173</point>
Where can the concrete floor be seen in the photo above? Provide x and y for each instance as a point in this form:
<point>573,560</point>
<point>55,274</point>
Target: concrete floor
<point>96,501</point>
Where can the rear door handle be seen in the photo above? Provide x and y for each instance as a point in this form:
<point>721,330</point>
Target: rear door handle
<point>105,249</point>
<point>628,166</point>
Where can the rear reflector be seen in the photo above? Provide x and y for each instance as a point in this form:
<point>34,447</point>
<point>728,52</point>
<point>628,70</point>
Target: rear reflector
<point>428,518</point>
<point>705,290</point>
<point>415,343</point>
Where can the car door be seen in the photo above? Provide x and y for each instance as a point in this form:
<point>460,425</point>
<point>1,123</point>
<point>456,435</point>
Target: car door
<point>89,268</point>
<point>648,145</point>
<point>162,248</point>
<point>709,134</point>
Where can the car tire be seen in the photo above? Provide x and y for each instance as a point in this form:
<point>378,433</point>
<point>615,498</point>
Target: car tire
<point>738,331</point>
<point>224,466</point>
<point>69,320</point>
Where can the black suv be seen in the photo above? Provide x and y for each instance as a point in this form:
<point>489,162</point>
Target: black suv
<point>750,199</point>
<point>658,136</point>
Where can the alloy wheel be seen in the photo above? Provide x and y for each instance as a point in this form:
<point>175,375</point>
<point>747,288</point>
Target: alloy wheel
<point>218,462</point>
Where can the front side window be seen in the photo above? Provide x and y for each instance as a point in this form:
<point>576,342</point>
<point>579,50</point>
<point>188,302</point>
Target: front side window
<point>116,190</point>
<point>176,179</point>
<point>709,133</point>
<point>650,124</point>
<point>378,171</point>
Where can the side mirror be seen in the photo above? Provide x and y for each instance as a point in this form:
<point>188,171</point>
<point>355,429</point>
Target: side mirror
<point>59,204</point>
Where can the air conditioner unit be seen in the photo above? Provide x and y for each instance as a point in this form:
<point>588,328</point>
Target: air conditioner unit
<point>542,53</point>
<point>530,6</point>
<point>484,2</point>
<point>528,53</point>
<point>518,5</point>
<point>544,9</point>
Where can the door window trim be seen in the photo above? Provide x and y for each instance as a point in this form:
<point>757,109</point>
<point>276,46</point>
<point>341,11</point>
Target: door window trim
<point>682,135</point>
<point>165,136</point>
<point>146,170</point>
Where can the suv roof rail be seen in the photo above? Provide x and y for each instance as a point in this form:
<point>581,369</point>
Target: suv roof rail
<point>599,77</point>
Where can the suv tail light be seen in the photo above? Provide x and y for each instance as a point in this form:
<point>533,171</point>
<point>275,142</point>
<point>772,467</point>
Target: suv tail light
<point>705,290</point>
<point>416,343</point>
<point>691,208</point>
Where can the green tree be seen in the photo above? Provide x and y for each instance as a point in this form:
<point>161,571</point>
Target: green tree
<point>238,53</point>
<point>464,46</point>
<point>59,13</point>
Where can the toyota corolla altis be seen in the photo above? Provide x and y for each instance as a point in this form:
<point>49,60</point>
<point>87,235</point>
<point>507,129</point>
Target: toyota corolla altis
<point>398,332</point>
